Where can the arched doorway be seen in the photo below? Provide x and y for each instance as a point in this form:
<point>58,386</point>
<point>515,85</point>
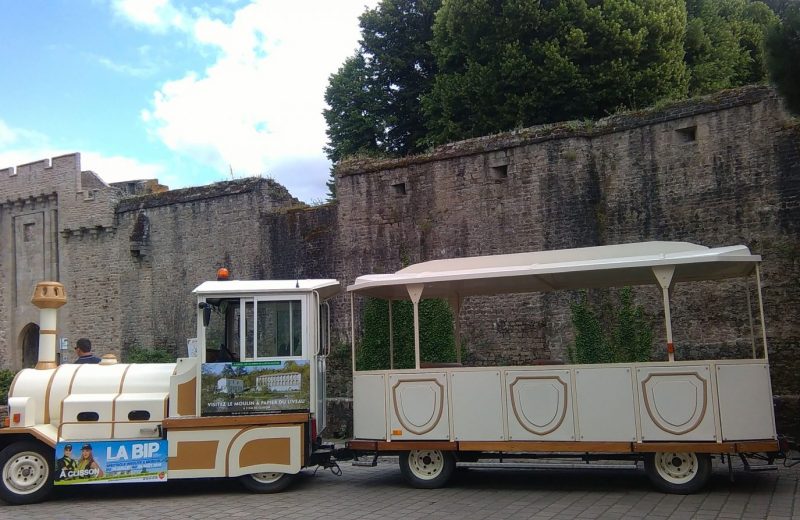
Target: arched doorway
<point>29,344</point>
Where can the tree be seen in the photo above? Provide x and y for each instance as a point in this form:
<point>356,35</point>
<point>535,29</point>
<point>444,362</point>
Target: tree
<point>353,125</point>
<point>725,43</point>
<point>374,99</point>
<point>783,56</point>
<point>513,63</point>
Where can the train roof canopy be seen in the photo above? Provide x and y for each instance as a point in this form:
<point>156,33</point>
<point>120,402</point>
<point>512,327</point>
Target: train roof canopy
<point>580,268</point>
<point>232,288</point>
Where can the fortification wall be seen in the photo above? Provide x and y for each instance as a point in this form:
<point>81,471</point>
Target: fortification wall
<point>171,242</point>
<point>718,171</point>
<point>52,218</point>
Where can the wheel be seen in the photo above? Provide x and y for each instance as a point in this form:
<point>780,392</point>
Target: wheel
<point>427,469</point>
<point>679,473</point>
<point>268,482</point>
<point>27,472</point>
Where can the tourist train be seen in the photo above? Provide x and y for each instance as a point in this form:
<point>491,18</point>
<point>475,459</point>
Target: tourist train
<point>249,399</point>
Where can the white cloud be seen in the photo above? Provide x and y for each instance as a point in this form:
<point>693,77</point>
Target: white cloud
<point>157,15</point>
<point>13,136</point>
<point>259,106</point>
<point>22,146</point>
<point>126,69</point>
<point>116,168</point>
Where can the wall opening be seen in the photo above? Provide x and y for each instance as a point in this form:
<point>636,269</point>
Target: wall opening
<point>688,134</point>
<point>399,188</point>
<point>499,173</point>
<point>29,345</point>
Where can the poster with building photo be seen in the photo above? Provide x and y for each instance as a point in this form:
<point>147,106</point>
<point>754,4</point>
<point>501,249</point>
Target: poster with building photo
<point>255,387</point>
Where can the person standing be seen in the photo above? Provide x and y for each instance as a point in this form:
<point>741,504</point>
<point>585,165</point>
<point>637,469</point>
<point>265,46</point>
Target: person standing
<point>84,350</point>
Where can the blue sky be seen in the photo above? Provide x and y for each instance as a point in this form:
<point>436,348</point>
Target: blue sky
<point>181,91</point>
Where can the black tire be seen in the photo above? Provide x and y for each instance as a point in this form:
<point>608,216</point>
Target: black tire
<point>678,473</point>
<point>267,482</point>
<point>26,471</point>
<point>427,469</point>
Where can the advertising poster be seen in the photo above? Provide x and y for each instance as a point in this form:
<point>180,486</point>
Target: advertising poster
<point>98,462</point>
<point>254,387</point>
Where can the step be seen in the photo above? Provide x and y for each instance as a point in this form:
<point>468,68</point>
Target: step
<point>546,465</point>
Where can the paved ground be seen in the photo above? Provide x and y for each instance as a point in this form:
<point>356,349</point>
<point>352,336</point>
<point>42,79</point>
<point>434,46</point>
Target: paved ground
<point>379,493</point>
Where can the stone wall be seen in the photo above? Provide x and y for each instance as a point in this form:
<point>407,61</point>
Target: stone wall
<point>171,242</point>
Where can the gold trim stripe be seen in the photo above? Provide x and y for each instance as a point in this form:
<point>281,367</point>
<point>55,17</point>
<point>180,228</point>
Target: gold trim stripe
<point>47,395</point>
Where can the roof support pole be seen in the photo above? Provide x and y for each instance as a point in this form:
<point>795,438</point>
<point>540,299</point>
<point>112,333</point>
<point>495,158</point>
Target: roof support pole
<point>353,333</point>
<point>750,318</point>
<point>761,311</point>
<point>455,305</point>
<point>391,337</point>
<point>415,292</point>
<point>664,276</point>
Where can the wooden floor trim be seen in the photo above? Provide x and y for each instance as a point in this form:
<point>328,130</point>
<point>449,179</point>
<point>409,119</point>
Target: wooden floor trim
<point>235,420</point>
<point>757,446</point>
<point>565,446</point>
<point>695,447</point>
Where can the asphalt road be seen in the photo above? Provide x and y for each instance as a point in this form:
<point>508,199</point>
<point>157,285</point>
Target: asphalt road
<point>380,493</point>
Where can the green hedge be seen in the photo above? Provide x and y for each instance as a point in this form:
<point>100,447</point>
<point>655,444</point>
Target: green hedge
<point>630,338</point>
<point>148,355</point>
<point>6,377</point>
<point>436,337</point>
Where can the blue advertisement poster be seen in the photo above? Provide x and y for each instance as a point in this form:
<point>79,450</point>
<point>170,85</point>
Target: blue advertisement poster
<point>254,387</point>
<point>98,462</point>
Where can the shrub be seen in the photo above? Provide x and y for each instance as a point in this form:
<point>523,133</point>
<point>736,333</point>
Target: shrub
<point>149,355</point>
<point>436,337</point>
<point>6,377</point>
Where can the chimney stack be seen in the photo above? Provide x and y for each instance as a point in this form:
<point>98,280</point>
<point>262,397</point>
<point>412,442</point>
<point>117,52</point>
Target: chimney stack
<point>48,297</point>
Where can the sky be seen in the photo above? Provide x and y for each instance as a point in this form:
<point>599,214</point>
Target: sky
<point>187,92</point>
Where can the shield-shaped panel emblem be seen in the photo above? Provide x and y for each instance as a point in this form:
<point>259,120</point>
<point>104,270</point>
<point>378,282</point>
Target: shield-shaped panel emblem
<point>676,402</point>
<point>418,404</point>
<point>539,403</point>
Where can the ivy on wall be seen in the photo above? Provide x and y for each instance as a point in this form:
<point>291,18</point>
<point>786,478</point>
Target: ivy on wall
<point>629,340</point>
<point>436,337</point>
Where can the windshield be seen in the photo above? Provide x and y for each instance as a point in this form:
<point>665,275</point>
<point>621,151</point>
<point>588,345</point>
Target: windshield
<point>244,329</point>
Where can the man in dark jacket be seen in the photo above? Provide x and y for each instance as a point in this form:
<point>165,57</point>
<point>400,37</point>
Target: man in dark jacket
<point>84,350</point>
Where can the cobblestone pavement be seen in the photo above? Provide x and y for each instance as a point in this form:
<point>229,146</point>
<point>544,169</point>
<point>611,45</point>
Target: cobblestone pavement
<point>380,493</point>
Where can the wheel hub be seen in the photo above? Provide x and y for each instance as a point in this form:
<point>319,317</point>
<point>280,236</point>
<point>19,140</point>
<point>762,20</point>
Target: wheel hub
<point>266,478</point>
<point>676,467</point>
<point>426,464</point>
<point>25,473</point>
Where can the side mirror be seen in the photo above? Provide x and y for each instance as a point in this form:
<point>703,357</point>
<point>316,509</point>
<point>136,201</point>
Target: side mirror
<point>206,313</point>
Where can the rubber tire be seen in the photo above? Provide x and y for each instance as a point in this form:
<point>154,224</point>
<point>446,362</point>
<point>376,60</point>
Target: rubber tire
<point>698,480</point>
<point>8,454</point>
<point>260,486</point>
<point>434,481</point>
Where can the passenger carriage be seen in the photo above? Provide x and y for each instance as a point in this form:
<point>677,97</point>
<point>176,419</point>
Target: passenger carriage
<point>672,415</point>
